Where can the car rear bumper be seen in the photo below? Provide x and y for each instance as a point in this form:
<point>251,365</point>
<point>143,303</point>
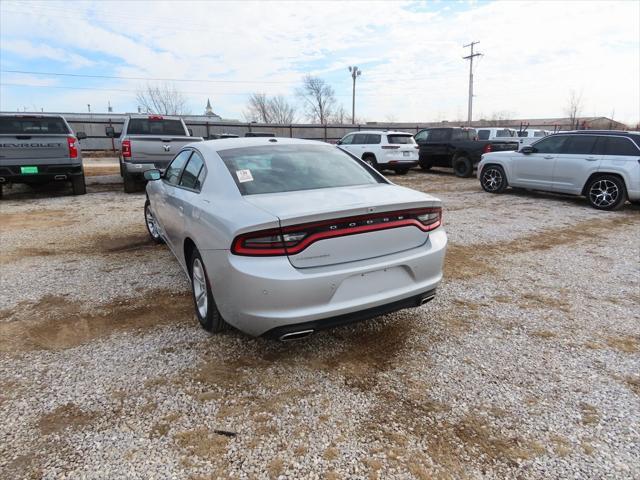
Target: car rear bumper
<point>13,173</point>
<point>268,295</point>
<point>401,163</point>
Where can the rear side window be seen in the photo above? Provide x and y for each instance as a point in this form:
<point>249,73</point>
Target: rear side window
<point>372,139</point>
<point>503,133</point>
<point>483,134</point>
<point>190,176</point>
<point>400,139</point>
<point>539,133</point>
<point>172,175</point>
<point>463,134</point>
<point>150,126</point>
<point>550,144</point>
<point>422,135</point>
<point>616,146</point>
<point>438,135</point>
<point>347,140</point>
<point>579,145</point>
<point>287,168</point>
<point>26,125</point>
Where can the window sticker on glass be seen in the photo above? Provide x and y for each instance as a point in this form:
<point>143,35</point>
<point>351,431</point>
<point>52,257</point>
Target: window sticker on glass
<point>244,176</point>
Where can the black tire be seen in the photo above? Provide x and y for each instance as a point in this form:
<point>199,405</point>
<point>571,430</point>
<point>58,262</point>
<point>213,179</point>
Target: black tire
<point>462,167</point>
<point>130,184</point>
<point>424,165</point>
<point>210,319</point>
<point>401,171</point>
<point>371,160</point>
<point>606,192</point>
<point>78,185</point>
<point>493,179</point>
<point>151,223</point>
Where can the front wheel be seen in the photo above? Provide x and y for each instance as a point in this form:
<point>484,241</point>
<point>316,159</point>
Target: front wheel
<point>606,192</point>
<point>152,223</point>
<point>493,179</point>
<point>371,160</point>
<point>206,310</point>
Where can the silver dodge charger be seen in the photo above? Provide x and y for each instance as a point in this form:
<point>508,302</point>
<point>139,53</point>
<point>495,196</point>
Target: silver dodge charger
<point>283,237</point>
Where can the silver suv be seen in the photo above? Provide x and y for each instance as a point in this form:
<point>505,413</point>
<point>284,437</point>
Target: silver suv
<point>38,149</point>
<point>383,149</point>
<point>604,166</point>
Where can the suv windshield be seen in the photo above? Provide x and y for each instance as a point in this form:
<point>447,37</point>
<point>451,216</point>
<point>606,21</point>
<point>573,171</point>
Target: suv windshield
<point>287,168</point>
<point>150,126</point>
<point>26,125</point>
<point>400,139</point>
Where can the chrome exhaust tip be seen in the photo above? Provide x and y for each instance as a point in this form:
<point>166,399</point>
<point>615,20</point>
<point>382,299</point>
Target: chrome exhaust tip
<point>427,299</point>
<point>60,177</point>
<point>295,335</point>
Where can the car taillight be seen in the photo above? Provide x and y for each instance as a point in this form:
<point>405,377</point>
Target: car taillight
<point>487,148</point>
<point>390,147</point>
<point>292,240</point>
<point>155,117</point>
<point>126,149</point>
<point>73,147</point>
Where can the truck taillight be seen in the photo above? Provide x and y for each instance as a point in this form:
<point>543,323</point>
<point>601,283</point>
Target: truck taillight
<point>487,148</point>
<point>155,117</point>
<point>126,149</point>
<point>73,147</point>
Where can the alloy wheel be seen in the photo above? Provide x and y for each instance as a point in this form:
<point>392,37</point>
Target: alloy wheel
<point>604,193</point>
<point>492,179</point>
<point>199,287</point>
<point>151,223</point>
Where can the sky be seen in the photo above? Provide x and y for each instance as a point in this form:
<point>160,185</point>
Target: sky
<point>410,53</point>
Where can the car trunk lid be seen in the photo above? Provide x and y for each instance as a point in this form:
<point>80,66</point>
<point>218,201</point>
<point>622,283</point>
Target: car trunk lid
<point>150,148</point>
<point>347,224</point>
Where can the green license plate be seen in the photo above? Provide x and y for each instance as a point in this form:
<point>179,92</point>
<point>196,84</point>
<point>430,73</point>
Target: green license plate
<point>27,170</point>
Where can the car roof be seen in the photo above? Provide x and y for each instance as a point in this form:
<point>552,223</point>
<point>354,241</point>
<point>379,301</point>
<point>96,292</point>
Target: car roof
<point>30,115</point>
<point>147,115</point>
<point>383,132</point>
<point>243,142</point>
<point>618,133</point>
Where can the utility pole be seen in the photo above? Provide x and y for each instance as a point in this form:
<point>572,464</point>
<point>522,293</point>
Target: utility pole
<point>355,72</point>
<point>470,58</point>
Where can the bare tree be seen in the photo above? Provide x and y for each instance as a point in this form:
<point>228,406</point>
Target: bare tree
<point>318,98</point>
<point>281,111</point>
<point>574,107</point>
<point>163,99</point>
<point>258,108</point>
<point>340,116</point>
<point>497,119</point>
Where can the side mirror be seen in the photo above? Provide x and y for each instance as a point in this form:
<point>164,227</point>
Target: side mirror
<point>81,135</point>
<point>528,149</point>
<point>339,142</point>
<point>153,174</point>
<point>110,132</point>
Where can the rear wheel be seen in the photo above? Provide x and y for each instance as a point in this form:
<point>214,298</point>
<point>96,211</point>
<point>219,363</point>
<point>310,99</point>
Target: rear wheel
<point>130,184</point>
<point>606,192</point>
<point>493,179</point>
<point>462,167</point>
<point>78,185</point>
<point>206,310</point>
<point>401,171</point>
<point>152,224</point>
<point>371,160</point>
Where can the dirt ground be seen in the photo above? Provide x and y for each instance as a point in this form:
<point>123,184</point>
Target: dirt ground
<point>526,365</point>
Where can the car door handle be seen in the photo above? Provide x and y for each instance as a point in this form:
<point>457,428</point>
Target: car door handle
<point>181,209</point>
<point>591,159</point>
<point>548,157</point>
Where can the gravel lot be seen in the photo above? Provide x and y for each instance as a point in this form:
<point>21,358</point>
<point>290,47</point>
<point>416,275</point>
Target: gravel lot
<point>527,364</point>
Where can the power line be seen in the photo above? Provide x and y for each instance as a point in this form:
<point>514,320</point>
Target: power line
<point>470,58</point>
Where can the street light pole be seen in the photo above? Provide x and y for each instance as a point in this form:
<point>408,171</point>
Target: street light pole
<point>355,72</point>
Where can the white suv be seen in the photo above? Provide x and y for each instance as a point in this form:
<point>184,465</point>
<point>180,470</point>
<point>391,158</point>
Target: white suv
<point>382,150</point>
<point>604,166</point>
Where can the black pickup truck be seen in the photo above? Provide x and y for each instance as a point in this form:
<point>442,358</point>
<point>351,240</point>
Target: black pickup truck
<point>456,147</point>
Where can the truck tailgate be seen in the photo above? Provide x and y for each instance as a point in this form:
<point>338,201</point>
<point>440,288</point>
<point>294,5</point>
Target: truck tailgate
<point>150,148</point>
<point>16,149</point>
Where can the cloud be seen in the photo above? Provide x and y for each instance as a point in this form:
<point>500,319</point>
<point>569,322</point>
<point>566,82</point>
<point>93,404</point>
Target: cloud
<point>535,53</point>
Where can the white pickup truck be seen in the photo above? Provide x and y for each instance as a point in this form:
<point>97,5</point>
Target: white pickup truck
<point>147,142</point>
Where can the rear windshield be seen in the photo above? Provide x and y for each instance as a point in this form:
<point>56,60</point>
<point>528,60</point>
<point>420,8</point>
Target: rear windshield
<point>400,139</point>
<point>288,168</point>
<point>146,126</point>
<point>25,125</point>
